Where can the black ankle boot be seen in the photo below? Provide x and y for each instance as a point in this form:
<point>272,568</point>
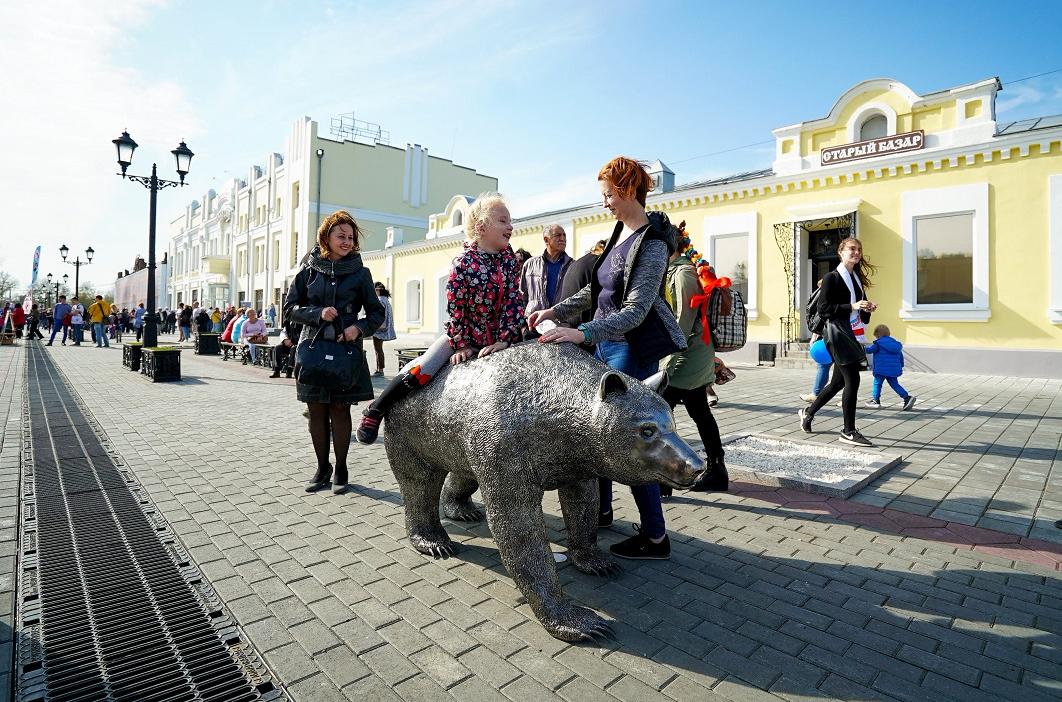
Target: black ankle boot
<point>339,480</point>
<point>398,389</point>
<point>276,373</point>
<point>320,478</point>
<point>715,479</point>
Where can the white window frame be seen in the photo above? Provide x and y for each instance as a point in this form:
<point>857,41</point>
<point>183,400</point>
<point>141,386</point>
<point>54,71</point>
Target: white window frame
<point>741,223</point>
<point>1054,226</point>
<point>934,202</point>
<point>873,109</point>
<point>419,321</point>
<point>442,278</point>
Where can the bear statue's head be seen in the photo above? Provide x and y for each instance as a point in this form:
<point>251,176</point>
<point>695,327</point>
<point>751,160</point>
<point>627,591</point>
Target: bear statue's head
<point>643,446</point>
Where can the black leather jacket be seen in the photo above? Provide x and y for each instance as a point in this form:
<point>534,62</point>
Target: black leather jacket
<point>345,284</point>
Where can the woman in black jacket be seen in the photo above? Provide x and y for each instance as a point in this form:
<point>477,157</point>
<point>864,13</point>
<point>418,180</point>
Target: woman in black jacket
<point>844,305</point>
<point>330,291</point>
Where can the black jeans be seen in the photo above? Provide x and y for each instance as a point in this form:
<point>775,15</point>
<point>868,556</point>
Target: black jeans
<point>846,377</point>
<point>283,358</point>
<point>696,402</point>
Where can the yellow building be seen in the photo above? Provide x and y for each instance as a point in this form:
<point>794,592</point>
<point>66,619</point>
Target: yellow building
<point>244,241</point>
<point>961,214</point>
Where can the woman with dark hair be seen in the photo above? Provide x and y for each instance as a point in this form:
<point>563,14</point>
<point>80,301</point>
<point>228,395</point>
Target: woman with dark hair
<point>522,256</point>
<point>328,295</point>
<point>632,325</point>
<point>844,305</point>
<point>386,332</point>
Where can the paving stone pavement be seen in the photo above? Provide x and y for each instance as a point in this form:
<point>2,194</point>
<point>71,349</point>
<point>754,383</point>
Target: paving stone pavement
<point>762,599</point>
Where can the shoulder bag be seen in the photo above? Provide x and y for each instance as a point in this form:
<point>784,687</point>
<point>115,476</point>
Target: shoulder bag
<point>325,363</point>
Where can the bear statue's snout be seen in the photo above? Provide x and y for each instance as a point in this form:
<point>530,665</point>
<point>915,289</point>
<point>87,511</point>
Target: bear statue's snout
<point>678,464</point>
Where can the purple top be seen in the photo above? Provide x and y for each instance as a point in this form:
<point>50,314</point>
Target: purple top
<point>610,276</point>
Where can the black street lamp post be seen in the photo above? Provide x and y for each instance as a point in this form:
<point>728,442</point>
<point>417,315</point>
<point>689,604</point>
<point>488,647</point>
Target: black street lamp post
<point>77,263</point>
<point>183,155</point>
<point>57,284</point>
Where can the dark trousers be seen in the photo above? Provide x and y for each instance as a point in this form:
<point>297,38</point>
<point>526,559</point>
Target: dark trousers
<point>283,358</point>
<point>617,355</point>
<point>846,377</point>
<point>696,402</point>
<point>34,331</point>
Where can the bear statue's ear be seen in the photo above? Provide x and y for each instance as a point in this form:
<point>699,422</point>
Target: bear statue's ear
<point>611,382</point>
<point>657,382</point>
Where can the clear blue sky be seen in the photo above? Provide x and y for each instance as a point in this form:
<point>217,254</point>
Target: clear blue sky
<point>537,94</point>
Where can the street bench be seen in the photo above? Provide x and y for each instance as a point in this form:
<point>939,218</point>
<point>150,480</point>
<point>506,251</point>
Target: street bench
<point>236,350</point>
<point>407,355</point>
<point>264,355</point>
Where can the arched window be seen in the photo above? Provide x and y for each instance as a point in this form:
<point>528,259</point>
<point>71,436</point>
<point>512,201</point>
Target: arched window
<point>413,302</point>
<point>875,127</point>
<point>458,218</point>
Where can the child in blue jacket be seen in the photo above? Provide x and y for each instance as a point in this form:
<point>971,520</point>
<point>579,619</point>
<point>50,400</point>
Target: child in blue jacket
<point>888,366</point>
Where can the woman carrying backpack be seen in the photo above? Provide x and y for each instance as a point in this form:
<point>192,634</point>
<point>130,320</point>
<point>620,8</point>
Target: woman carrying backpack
<point>845,309</point>
<point>688,289</point>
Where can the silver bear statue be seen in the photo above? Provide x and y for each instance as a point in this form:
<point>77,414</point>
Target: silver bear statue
<point>534,417</point>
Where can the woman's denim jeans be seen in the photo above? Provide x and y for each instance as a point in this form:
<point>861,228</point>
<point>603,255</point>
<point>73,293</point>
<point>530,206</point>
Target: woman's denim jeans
<point>617,354</point>
<point>821,378</point>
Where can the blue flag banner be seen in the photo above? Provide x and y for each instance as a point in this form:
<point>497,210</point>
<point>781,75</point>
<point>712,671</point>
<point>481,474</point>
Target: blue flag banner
<point>36,266</point>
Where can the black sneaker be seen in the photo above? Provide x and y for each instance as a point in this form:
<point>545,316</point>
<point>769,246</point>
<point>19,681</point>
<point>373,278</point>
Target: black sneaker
<point>855,439</point>
<point>908,403</point>
<point>640,548</point>
<point>369,427</point>
<point>805,420</point>
<point>665,490</point>
<point>604,519</point>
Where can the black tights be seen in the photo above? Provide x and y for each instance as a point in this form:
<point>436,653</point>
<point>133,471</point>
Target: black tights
<point>846,377</point>
<point>696,402</point>
<point>330,418</point>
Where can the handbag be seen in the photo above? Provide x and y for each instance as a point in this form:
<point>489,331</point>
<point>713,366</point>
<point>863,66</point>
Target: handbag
<point>723,374</point>
<point>325,363</point>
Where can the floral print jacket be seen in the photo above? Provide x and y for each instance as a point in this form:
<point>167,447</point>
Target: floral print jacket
<point>483,299</point>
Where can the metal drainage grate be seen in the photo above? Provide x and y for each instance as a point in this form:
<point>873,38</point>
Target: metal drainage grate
<point>111,608</point>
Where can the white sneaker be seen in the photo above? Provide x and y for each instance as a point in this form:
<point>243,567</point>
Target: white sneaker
<point>872,404</point>
<point>808,397</point>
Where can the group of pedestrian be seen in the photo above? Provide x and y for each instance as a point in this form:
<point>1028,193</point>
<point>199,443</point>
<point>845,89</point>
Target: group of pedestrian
<point>627,301</point>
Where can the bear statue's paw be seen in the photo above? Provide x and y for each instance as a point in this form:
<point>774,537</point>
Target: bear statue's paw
<point>434,545</point>
<point>571,622</point>
<point>463,512</point>
<point>596,562</point>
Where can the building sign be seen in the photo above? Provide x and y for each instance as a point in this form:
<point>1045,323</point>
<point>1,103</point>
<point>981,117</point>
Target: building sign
<point>898,143</point>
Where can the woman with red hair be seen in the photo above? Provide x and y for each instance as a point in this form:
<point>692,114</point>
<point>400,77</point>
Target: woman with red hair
<point>632,326</point>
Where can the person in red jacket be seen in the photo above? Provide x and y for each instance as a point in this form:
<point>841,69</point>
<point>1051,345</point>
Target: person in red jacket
<point>18,318</point>
<point>227,334</point>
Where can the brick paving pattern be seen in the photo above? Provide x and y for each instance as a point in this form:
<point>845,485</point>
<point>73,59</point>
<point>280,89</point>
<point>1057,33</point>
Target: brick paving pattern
<point>768,594</point>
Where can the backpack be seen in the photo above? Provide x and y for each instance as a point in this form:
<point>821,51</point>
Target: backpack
<point>816,324</point>
<point>729,332</point>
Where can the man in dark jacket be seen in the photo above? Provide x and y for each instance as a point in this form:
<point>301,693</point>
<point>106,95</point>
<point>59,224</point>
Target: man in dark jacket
<point>578,274</point>
<point>284,356</point>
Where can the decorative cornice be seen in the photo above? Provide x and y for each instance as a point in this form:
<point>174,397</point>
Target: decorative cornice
<point>1001,148</point>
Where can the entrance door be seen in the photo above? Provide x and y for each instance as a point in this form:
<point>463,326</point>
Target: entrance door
<point>822,252</point>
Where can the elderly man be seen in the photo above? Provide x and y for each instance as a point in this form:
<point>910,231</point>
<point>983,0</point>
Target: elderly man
<point>542,275</point>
